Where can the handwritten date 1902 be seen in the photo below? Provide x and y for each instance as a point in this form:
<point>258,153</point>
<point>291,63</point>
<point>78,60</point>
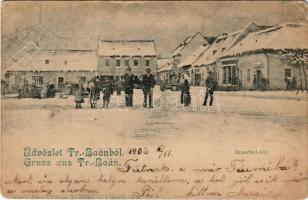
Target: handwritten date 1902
<point>138,151</point>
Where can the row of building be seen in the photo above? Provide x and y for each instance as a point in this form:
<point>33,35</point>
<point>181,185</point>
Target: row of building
<point>251,58</point>
<point>70,63</point>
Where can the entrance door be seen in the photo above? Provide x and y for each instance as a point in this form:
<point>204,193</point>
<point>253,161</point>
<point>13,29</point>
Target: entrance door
<point>258,79</point>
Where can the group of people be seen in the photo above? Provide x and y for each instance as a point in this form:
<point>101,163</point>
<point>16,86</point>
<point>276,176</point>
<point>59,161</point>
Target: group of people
<point>106,86</point>
<point>131,82</point>
<point>210,84</point>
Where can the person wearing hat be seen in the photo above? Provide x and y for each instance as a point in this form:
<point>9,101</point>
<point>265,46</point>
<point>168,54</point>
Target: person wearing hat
<point>148,83</point>
<point>107,91</point>
<point>210,84</point>
<point>129,82</point>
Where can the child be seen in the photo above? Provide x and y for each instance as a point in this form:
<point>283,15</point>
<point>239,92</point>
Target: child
<point>107,91</point>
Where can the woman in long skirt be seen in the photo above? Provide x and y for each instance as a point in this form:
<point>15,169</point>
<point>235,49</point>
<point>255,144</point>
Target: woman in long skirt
<point>185,93</point>
<point>79,96</point>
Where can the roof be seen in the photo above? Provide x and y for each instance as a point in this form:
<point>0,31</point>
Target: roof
<point>194,56</point>
<point>215,50</point>
<point>161,62</point>
<point>285,36</point>
<point>166,67</point>
<point>127,48</point>
<point>56,61</point>
<point>225,42</point>
<point>181,46</point>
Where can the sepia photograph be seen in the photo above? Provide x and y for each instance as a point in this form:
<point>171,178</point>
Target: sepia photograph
<point>154,99</point>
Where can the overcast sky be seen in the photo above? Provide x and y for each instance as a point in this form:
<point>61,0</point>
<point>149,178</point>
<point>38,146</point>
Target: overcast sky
<point>168,23</point>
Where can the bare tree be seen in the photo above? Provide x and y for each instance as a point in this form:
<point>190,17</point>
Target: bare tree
<point>299,59</point>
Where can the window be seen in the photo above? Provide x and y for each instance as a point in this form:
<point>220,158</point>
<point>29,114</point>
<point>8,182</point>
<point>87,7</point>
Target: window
<point>229,75</point>
<point>38,80</point>
<point>248,74</point>
<point>107,62</point>
<point>136,63</point>
<point>225,75</point>
<point>214,51</point>
<point>147,63</point>
<point>46,61</point>
<point>287,73</point>
<point>118,63</point>
<point>223,49</point>
<point>126,63</point>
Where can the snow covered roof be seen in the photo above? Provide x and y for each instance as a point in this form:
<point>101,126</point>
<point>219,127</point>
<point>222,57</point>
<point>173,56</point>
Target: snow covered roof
<point>194,56</point>
<point>189,39</point>
<point>285,36</point>
<point>127,48</point>
<point>216,49</point>
<point>166,67</point>
<point>56,61</point>
<point>225,42</point>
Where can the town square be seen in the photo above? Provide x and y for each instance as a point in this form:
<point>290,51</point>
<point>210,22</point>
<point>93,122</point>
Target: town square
<point>150,100</point>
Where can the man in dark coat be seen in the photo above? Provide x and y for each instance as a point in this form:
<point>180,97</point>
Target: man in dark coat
<point>210,84</point>
<point>107,91</point>
<point>148,83</point>
<point>129,82</point>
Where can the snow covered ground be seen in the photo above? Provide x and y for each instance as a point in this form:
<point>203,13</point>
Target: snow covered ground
<point>252,116</point>
<point>275,122</point>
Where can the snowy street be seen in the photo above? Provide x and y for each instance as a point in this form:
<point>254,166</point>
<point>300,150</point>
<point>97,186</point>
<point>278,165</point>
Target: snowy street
<point>262,112</point>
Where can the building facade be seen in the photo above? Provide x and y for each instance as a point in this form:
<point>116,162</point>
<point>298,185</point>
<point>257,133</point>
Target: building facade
<point>114,57</point>
<point>257,62</point>
<point>57,67</point>
<point>60,66</point>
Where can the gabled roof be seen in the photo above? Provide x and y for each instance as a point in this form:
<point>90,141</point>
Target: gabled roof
<point>225,42</point>
<point>285,36</point>
<point>194,56</point>
<point>215,50</point>
<point>182,46</point>
<point>127,48</point>
<point>166,67</point>
<point>35,38</point>
<point>56,61</point>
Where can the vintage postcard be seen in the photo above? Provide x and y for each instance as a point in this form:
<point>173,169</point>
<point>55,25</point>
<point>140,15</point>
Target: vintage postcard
<point>154,100</point>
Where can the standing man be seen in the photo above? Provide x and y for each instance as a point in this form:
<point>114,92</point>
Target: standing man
<point>107,91</point>
<point>129,81</point>
<point>148,83</point>
<point>210,84</point>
